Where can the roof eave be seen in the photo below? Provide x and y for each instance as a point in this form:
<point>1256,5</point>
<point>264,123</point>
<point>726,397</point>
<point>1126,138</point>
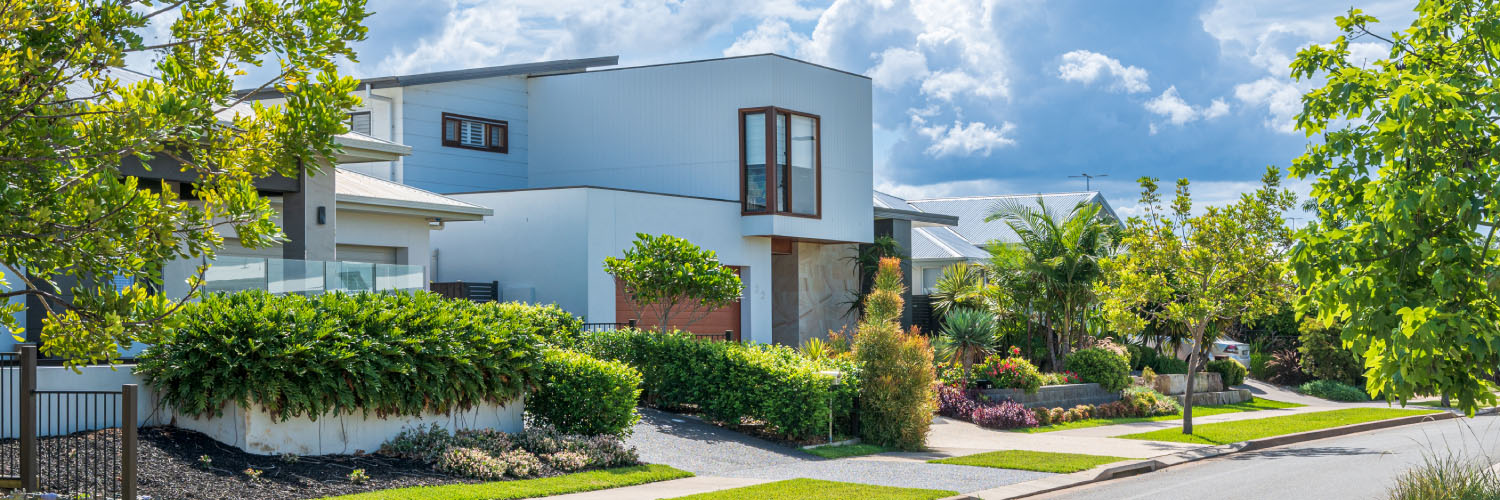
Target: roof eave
<point>371,204</point>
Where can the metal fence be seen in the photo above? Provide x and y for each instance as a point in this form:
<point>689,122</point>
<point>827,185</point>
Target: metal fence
<point>727,336</point>
<point>478,292</point>
<point>76,444</point>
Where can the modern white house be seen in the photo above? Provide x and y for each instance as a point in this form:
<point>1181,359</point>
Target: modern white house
<point>934,247</point>
<point>763,159</point>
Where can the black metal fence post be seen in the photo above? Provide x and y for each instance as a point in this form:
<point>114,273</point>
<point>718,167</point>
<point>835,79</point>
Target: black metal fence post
<point>128,449</point>
<point>728,335</point>
<point>27,415</point>
<point>631,322</point>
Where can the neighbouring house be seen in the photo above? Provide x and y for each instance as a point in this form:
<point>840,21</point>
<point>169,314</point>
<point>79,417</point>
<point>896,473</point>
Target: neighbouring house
<point>764,159</point>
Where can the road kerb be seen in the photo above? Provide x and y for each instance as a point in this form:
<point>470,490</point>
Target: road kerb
<point>1123,469</point>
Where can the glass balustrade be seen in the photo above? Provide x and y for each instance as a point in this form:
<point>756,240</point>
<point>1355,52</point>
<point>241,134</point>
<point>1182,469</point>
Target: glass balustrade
<point>308,277</point>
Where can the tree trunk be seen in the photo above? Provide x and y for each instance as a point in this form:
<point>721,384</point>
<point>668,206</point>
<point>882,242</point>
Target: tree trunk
<point>1187,395</point>
<point>1052,347</point>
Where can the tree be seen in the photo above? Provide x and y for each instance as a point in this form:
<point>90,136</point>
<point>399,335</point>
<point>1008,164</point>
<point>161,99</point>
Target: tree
<point>866,262</point>
<point>967,335</point>
<point>1060,253</point>
<point>1407,171</point>
<point>1204,271</point>
<point>896,399</point>
<point>669,276</point>
<point>960,286</point>
<point>72,115</point>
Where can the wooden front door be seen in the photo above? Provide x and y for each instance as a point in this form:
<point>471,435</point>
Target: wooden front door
<point>716,322</point>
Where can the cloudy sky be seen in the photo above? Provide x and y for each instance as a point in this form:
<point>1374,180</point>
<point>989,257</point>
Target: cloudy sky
<point>971,96</point>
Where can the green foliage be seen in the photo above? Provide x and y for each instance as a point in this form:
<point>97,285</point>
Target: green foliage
<point>549,321</point>
<point>381,354</point>
<point>668,276</point>
<point>897,376</point>
<point>1011,372</point>
<point>1449,477</point>
<point>491,455</point>
<point>1324,355</point>
<point>1333,390</point>
<point>1402,252</point>
<point>960,286</point>
<point>1058,256</point>
<point>1099,366</point>
<point>1200,271</point>
<point>579,394</point>
<point>530,488</point>
<point>1230,371</point>
<point>1140,357</point>
<point>1147,402</point>
<point>1258,365</point>
<point>75,118</point>
<point>1167,365</point>
<point>729,381</point>
<point>866,262</point>
<point>967,335</point>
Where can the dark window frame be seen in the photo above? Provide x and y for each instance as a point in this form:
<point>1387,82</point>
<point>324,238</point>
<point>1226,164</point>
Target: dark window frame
<point>770,113</point>
<point>490,124</point>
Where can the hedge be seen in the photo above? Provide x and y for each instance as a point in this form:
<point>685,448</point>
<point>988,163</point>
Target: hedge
<point>580,394</point>
<point>1230,371</point>
<point>729,381</point>
<point>374,353</point>
<point>1095,365</point>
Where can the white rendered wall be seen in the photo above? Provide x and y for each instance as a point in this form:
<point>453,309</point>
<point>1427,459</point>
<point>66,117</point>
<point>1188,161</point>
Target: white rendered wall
<point>384,106</point>
<point>258,432</point>
<point>675,129</point>
<point>555,241</point>
<point>409,234</point>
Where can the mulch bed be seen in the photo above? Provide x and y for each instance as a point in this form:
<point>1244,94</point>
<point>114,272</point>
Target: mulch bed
<point>171,469</point>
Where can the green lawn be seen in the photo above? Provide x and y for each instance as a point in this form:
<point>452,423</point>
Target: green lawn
<point>529,488</point>
<point>1245,430</point>
<point>847,450</point>
<point>1256,404</point>
<point>1040,461</point>
<point>814,489</point>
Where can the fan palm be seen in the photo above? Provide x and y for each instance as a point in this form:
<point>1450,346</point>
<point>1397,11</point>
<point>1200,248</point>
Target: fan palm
<point>1060,253</point>
<point>961,285</point>
<point>967,334</point>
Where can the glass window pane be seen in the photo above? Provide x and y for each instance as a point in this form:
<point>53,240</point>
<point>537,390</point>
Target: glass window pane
<point>804,176</point>
<point>755,162</point>
<point>781,171</point>
<point>450,130</point>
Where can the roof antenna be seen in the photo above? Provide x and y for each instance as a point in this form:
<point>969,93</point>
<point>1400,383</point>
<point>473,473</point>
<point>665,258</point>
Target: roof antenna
<point>1087,185</point>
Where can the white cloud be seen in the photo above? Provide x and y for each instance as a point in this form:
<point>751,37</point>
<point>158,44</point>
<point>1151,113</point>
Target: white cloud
<point>1280,96</point>
<point>771,36</point>
<point>896,66</point>
<point>970,187</point>
<point>1179,112</point>
<point>946,85</point>
<point>1085,67</point>
<point>964,140</point>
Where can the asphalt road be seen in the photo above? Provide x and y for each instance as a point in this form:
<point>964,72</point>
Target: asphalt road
<point>1358,466</point>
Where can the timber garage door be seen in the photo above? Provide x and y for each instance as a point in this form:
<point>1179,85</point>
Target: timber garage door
<point>366,253</point>
<point>724,318</point>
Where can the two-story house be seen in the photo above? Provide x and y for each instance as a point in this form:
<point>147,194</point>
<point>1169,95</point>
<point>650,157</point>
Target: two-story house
<point>763,159</point>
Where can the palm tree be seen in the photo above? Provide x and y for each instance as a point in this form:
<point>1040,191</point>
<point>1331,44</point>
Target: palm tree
<point>961,285</point>
<point>967,334</point>
<point>1060,254</point>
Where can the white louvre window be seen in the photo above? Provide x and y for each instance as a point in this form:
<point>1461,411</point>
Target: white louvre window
<point>474,133</point>
<point>360,122</point>
<point>471,133</point>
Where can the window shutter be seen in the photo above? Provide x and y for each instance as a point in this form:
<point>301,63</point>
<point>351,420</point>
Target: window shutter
<point>359,122</point>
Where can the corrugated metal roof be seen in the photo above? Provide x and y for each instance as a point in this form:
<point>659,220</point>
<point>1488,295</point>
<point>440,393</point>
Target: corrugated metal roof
<point>884,200</point>
<point>942,243</point>
<point>972,211</point>
<point>361,188</point>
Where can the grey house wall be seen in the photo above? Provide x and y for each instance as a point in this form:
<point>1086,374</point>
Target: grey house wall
<point>442,169</point>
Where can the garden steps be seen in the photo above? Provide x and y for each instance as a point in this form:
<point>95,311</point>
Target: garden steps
<point>1054,396</point>
<point>1228,397</point>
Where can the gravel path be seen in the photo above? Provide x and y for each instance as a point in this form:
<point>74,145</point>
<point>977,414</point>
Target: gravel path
<point>705,449</point>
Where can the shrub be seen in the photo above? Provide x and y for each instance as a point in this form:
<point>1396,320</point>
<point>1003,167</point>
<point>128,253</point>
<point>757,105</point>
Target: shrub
<point>580,394</point>
<point>382,354</point>
<point>1450,477</point>
<point>895,393</point>
<point>548,321</point>
<point>1324,356</point>
<point>1334,390</point>
<point>1043,416</point>
<point>1230,371</point>
<point>1100,366</point>
<point>1141,357</point>
<point>1167,365</point>
<point>1285,368</point>
<point>491,455</point>
<point>1147,402</point>
<point>729,381</point>
<point>1062,378</point>
<point>1258,362</point>
<point>955,403</point>
<point>1004,415</point>
<point>1013,372</point>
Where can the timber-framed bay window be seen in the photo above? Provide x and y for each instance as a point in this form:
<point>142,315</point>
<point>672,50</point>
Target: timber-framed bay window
<point>789,183</point>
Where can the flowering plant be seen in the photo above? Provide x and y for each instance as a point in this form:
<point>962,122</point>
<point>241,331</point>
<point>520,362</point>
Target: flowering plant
<point>1013,372</point>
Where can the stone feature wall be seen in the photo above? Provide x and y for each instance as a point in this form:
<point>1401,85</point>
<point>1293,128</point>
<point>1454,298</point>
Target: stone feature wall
<point>826,282</point>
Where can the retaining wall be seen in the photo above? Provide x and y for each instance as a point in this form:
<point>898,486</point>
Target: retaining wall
<point>1052,396</point>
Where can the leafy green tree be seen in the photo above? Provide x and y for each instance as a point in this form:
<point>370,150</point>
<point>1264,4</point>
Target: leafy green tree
<point>1406,173</point>
<point>1060,253</point>
<point>72,115</point>
<point>1204,271</point>
<point>672,278</point>
<point>967,335</point>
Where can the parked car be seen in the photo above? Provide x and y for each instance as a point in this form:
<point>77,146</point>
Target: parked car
<point>1222,349</point>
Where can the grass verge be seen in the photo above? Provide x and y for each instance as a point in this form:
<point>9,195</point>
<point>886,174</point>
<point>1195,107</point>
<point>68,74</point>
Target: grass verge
<point>847,450</point>
<point>1256,404</point>
<point>815,489</point>
<point>1245,430</point>
<point>529,488</point>
<point>1040,461</point>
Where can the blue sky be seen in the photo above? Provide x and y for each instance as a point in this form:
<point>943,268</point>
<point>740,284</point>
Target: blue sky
<point>971,96</point>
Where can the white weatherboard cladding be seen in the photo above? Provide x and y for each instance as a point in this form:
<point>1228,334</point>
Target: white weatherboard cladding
<point>444,169</point>
<point>554,241</point>
<point>674,129</point>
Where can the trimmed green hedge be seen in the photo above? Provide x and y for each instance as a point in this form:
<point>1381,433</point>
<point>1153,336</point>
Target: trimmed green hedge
<point>1111,371</point>
<point>1334,390</point>
<point>375,353</point>
<point>580,394</point>
<point>729,381</point>
<point>1230,371</point>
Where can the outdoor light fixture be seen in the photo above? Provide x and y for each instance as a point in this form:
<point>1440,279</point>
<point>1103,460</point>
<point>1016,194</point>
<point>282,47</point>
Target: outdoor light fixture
<point>837,377</point>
